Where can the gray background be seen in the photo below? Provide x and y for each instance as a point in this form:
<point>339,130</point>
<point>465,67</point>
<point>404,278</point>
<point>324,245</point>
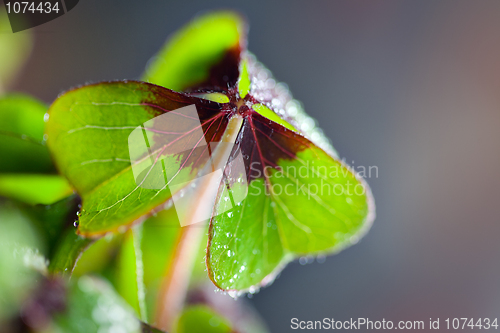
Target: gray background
<point>412,87</point>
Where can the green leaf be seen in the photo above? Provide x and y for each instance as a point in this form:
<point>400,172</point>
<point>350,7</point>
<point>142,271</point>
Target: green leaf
<point>205,53</point>
<point>244,79</point>
<point>88,135</point>
<point>22,147</point>
<point>298,200</point>
<point>144,262</point>
<point>14,50</point>
<point>18,244</point>
<point>149,329</point>
<point>66,255</point>
<point>200,318</point>
<point>269,114</point>
<point>94,307</point>
<point>99,257</point>
<point>52,220</point>
<point>34,188</point>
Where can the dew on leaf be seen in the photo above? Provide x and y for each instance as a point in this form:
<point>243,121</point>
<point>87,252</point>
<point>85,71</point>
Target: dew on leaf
<point>354,239</point>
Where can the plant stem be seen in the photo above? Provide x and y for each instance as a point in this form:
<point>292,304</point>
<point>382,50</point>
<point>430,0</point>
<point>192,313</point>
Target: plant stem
<point>176,283</point>
<point>175,286</point>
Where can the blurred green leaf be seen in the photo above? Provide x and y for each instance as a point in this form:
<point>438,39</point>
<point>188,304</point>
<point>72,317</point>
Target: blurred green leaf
<point>24,158</point>
<point>14,50</point>
<point>203,53</point>
<point>19,258</point>
<point>53,220</point>
<point>116,258</point>
<point>93,306</point>
<point>202,319</point>
<point>144,262</point>
<point>34,188</point>
<point>129,274</point>
<point>149,329</point>
<point>100,256</point>
<point>22,147</point>
<point>69,249</point>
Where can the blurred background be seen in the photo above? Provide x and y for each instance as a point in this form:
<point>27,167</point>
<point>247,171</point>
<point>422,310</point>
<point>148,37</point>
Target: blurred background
<point>411,87</point>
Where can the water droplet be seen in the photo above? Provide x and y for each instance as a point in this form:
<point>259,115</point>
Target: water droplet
<point>230,214</point>
<point>303,260</point>
<point>75,224</point>
<point>229,253</point>
<point>46,117</point>
<point>354,239</point>
<point>321,259</point>
<point>228,234</point>
<point>253,289</point>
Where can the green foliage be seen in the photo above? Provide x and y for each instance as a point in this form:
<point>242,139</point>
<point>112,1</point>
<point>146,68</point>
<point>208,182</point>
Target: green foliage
<point>93,306</point>
<point>284,192</point>
<point>298,199</point>
<point>190,55</point>
<point>199,318</point>
<point>26,169</point>
<point>285,215</point>
<point>18,244</point>
<point>14,50</point>
<point>22,146</point>
<point>90,147</point>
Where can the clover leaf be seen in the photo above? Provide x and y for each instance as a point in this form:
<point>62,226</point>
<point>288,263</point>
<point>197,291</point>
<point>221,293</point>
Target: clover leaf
<point>283,192</point>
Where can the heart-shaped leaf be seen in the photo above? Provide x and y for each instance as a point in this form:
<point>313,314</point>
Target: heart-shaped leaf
<point>299,201</point>
<point>88,134</point>
<point>203,54</point>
